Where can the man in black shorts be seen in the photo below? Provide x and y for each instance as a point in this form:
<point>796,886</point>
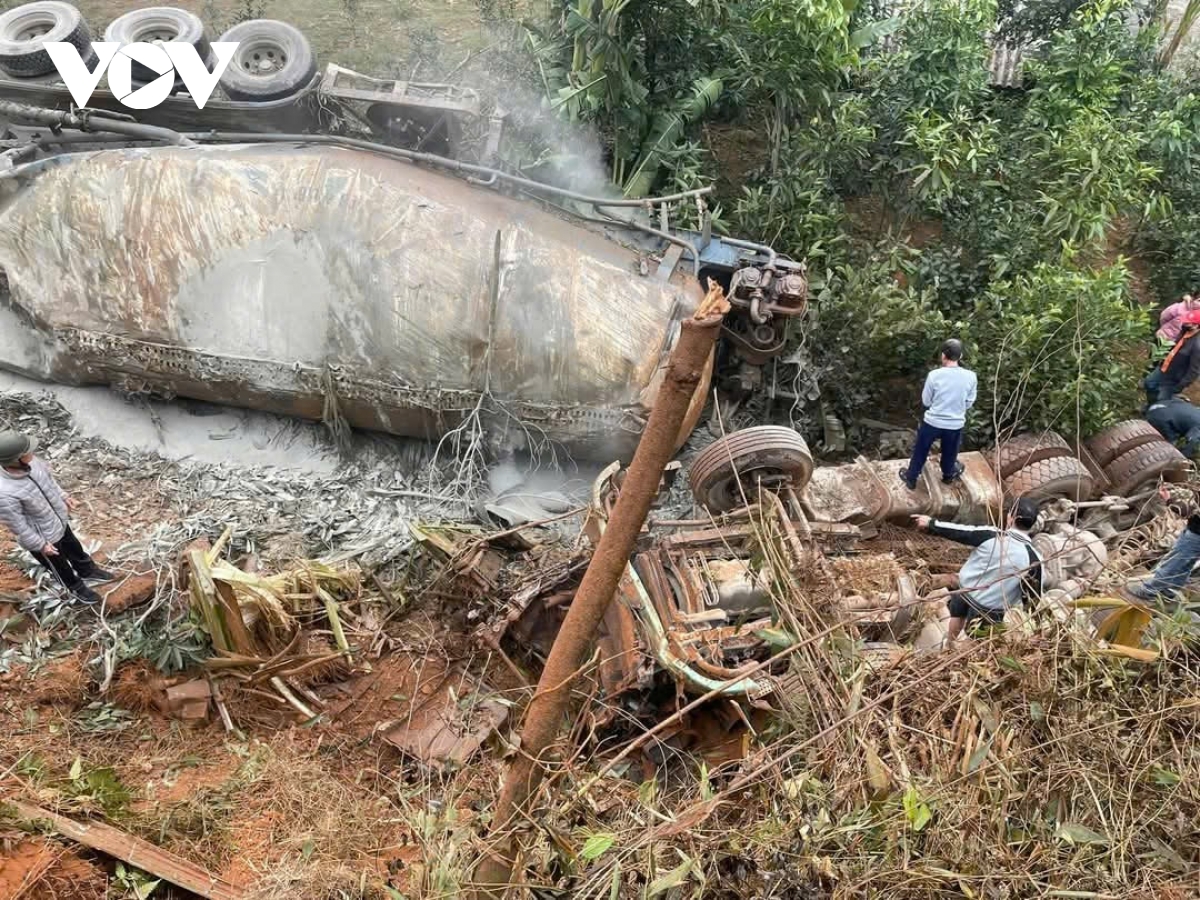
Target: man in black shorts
<point>1003,570</point>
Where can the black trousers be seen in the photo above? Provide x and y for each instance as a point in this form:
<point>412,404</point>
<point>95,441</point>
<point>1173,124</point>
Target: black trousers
<point>927,434</point>
<point>72,562</point>
<point>961,607</point>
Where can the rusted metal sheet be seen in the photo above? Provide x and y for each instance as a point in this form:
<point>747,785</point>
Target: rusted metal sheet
<point>275,276</point>
<point>450,718</point>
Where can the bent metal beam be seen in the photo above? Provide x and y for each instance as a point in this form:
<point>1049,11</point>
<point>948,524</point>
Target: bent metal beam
<point>547,710</point>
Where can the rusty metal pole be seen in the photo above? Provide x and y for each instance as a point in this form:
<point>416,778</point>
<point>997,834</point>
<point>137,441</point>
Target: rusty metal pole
<point>547,711</point>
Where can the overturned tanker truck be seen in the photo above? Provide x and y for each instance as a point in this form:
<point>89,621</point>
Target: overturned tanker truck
<point>294,247</point>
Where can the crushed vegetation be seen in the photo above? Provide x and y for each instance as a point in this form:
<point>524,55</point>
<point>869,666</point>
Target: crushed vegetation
<point>348,739</point>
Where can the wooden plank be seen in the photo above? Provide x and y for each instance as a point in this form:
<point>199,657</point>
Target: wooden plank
<point>136,852</point>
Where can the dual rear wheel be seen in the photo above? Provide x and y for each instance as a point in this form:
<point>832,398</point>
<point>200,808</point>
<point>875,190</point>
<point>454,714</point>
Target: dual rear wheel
<point>1130,457</point>
<point>273,60</point>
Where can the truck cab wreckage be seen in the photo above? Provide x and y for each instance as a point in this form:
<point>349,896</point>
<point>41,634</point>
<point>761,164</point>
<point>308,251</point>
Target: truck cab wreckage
<point>703,602</point>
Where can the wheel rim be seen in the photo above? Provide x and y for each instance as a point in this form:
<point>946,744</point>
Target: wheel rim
<point>33,25</point>
<point>261,58</point>
<point>154,34</point>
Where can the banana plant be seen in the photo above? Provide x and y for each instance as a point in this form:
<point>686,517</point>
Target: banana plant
<point>1187,20</point>
<point>602,58</point>
<point>665,132</point>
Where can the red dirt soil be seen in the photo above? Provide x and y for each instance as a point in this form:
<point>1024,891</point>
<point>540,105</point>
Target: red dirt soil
<point>13,580</point>
<point>128,591</point>
<point>63,682</point>
<point>24,867</point>
<point>179,784</point>
<point>40,870</point>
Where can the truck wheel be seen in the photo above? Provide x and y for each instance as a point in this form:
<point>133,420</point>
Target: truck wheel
<point>766,451</point>
<point>1120,439</point>
<point>273,61</point>
<point>1049,479</point>
<point>25,30</point>
<point>1138,468</point>
<point>159,23</point>
<point>1024,450</point>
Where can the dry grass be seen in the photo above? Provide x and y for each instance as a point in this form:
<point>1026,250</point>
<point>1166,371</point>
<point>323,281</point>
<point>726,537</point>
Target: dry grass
<point>73,878</point>
<point>284,813</point>
<point>1016,766</point>
<point>1019,765</point>
<point>316,882</point>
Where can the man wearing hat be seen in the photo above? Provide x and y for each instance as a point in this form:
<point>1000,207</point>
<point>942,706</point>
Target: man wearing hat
<point>35,510</point>
<point>1003,570</point>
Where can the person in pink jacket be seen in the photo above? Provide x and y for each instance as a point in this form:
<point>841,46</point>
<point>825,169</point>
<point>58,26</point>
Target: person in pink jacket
<point>1170,321</point>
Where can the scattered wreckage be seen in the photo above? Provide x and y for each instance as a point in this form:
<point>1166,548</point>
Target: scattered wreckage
<point>405,298</point>
<point>361,278</point>
<point>702,605</point>
<point>699,607</point>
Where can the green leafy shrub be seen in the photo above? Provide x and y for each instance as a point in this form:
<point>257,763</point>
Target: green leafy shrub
<point>939,150</point>
<point>1057,348</point>
<point>941,64</point>
<point>874,332</point>
<point>951,276</point>
<point>795,203</point>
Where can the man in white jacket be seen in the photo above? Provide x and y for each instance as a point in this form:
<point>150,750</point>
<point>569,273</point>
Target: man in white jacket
<point>1002,571</point>
<point>949,392</point>
<point>35,509</point>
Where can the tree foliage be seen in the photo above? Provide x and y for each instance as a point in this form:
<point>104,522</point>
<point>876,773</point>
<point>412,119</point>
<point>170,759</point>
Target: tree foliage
<point>1020,199</point>
<point>1051,347</point>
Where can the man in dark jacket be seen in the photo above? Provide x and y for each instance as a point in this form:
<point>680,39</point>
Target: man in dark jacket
<point>35,509</point>
<point>1177,420</point>
<point>1182,365</point>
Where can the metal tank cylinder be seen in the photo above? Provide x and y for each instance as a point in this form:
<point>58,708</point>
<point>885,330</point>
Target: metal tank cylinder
<point>287,277</point>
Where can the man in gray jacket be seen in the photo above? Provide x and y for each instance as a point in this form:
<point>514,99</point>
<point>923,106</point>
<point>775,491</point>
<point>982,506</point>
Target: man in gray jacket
<point>35,509</point>
<point>1003,570</point>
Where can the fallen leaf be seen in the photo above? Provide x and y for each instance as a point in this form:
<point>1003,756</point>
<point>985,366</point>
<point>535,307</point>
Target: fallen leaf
<point>597,845</point>
<point>1074,833</point>
<point>674,878</point>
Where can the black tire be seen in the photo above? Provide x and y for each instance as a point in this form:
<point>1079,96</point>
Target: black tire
<point>273,61</point>
<point>25,30</point>
<point>1049,479</point>
<point>1119,439</point>
<point>1137,468</point>
<point>159,23</point>
<point>1024,450</point>
<point>765,450</point>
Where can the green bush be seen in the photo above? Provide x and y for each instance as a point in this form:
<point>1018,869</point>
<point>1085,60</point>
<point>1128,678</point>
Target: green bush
<point>1056,348</point>
<point>873,332</point>
<point>1007,193</point>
